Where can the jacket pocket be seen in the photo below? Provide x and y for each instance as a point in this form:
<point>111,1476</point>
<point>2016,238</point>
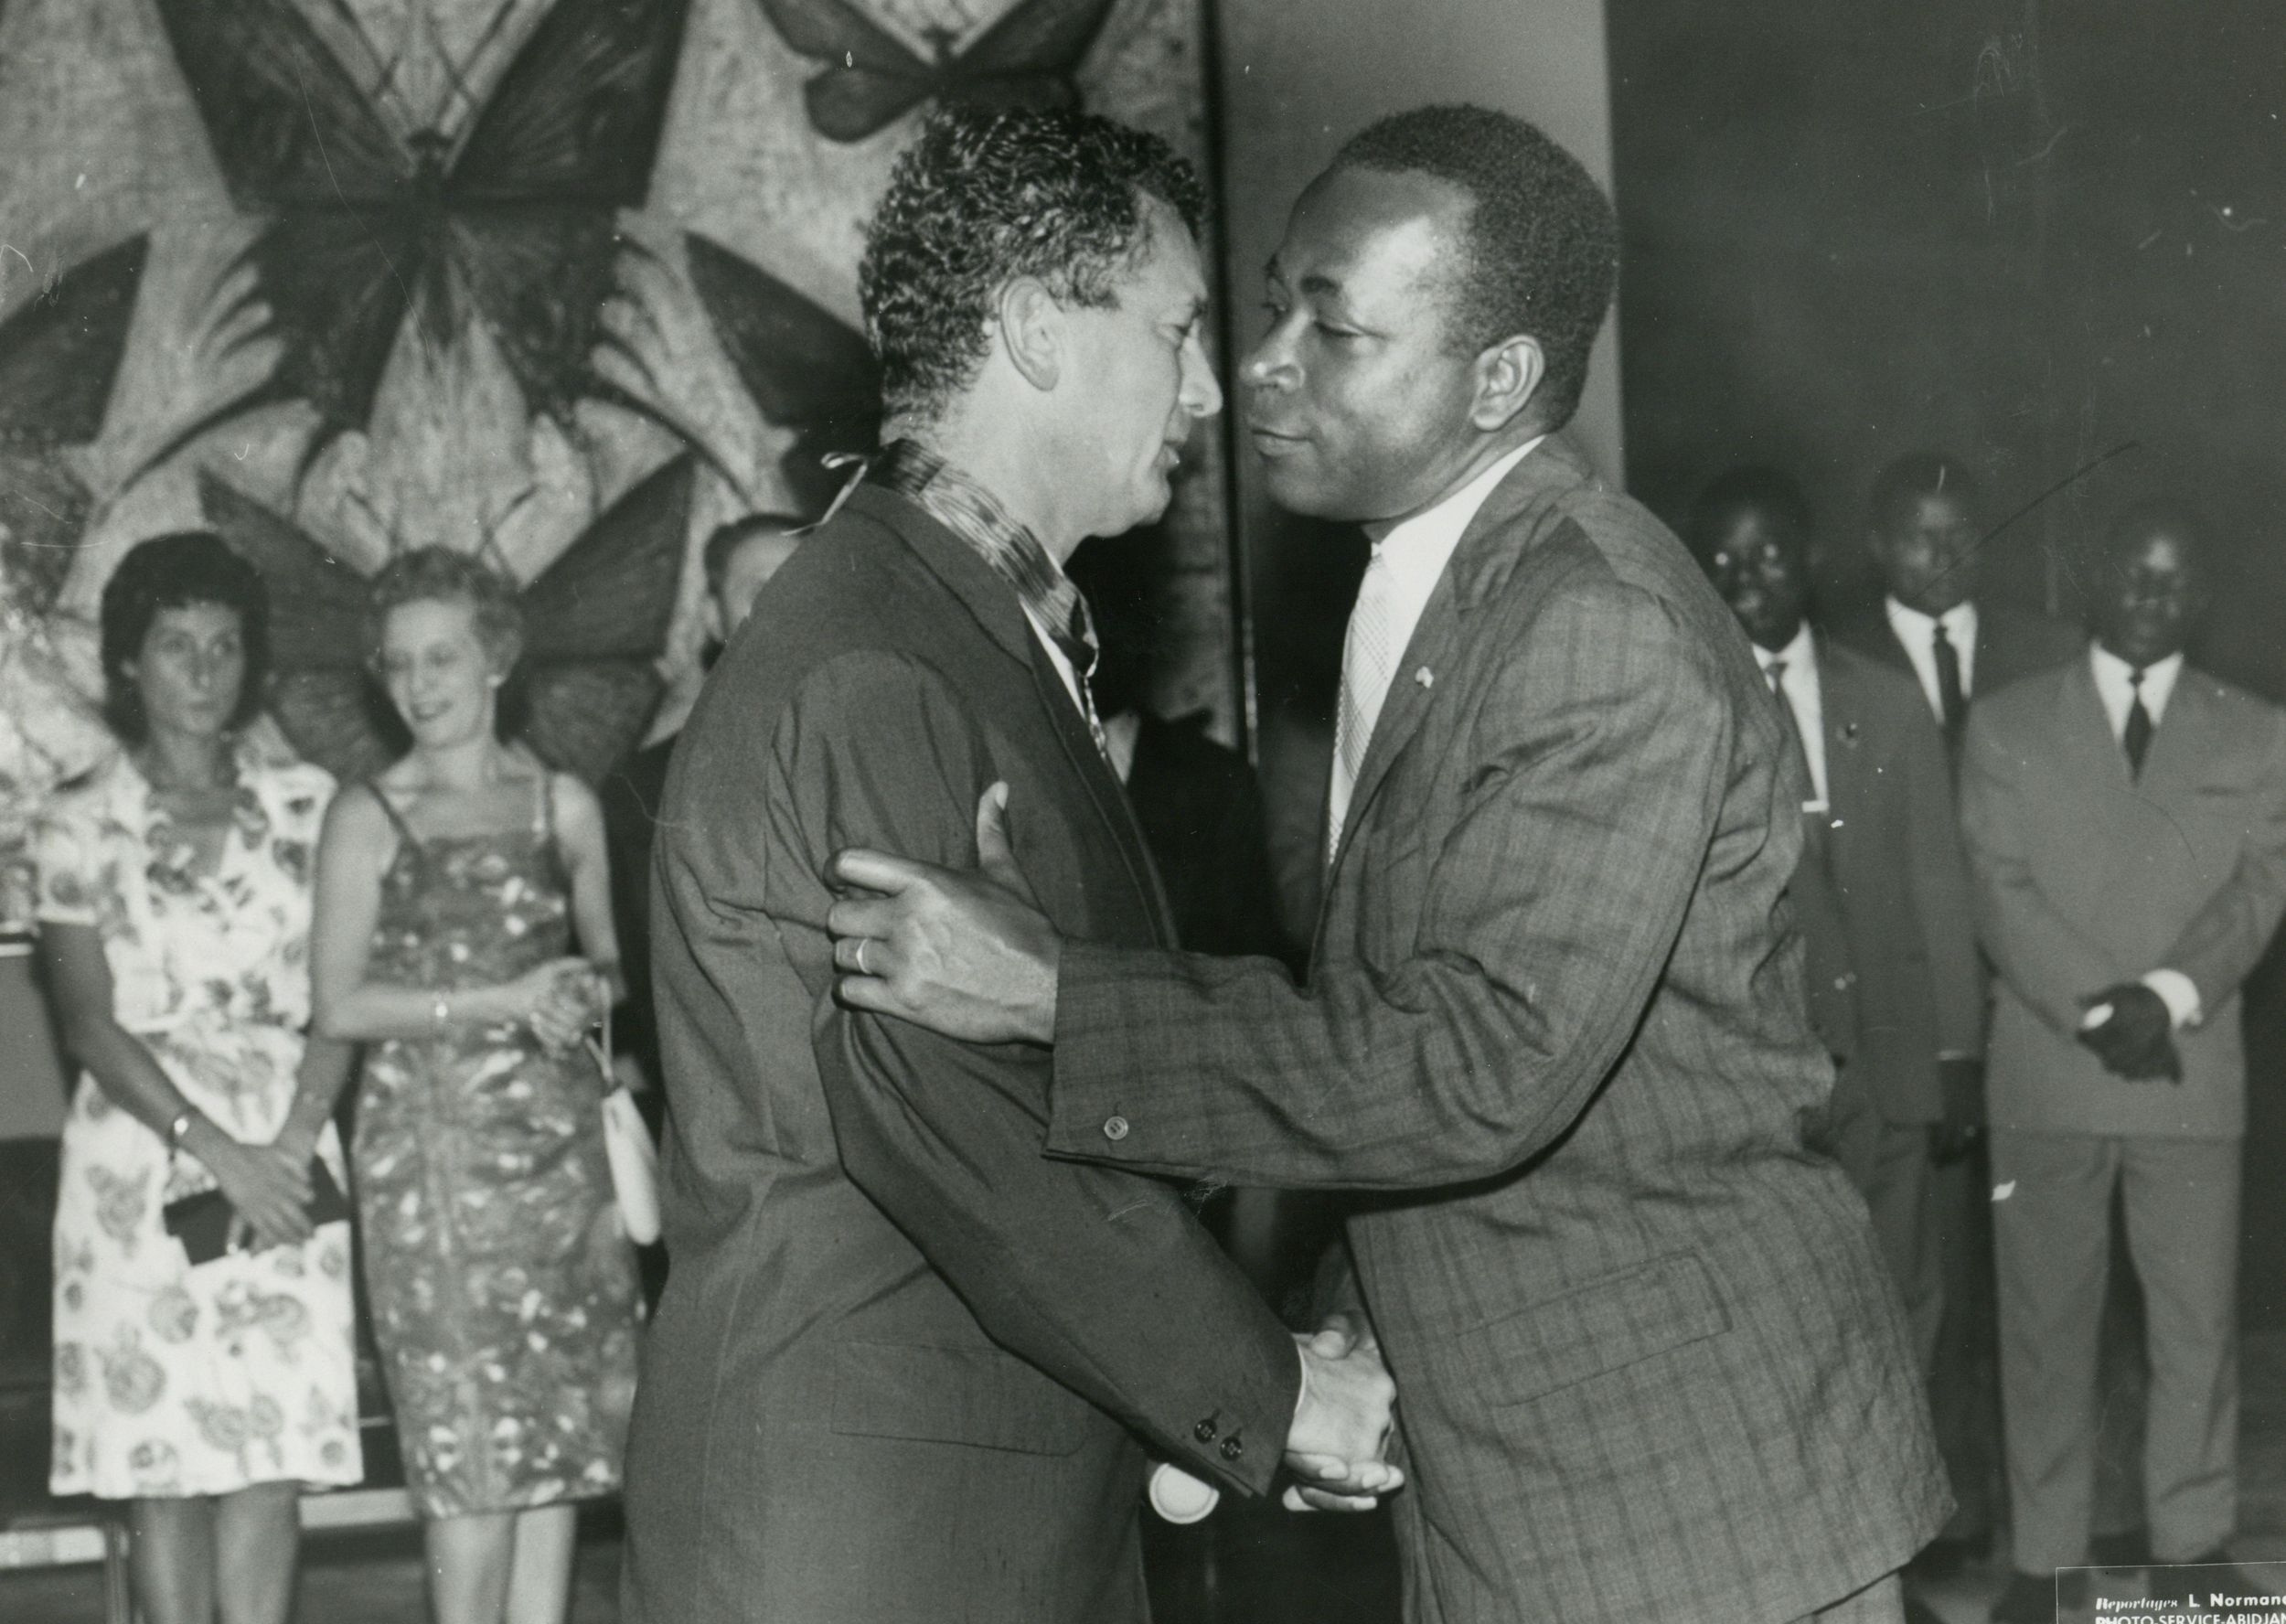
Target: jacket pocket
<point>1588,1332</point>
<point>977,1396</point>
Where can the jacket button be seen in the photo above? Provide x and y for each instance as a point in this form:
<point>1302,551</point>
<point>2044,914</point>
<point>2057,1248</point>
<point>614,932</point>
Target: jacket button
<point>1204,1432</point>
<point>1115,1127</point>
<point>1232,1448</point>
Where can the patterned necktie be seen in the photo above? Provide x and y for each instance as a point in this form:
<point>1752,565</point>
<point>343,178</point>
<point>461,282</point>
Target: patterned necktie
<point>2136,735</point>
<point>1951,699</point>
<point>1008,549</point>
<point>1368,661</point>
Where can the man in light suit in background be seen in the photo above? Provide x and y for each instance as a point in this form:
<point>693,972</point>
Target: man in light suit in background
<point>1882,889</point>
<point>1649,1364</point>
<point>2126,819</point>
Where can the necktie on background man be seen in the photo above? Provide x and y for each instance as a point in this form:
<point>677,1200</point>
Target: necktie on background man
<point>2135,737</point>
<point>1367,664</point>
<point>1952,700</point>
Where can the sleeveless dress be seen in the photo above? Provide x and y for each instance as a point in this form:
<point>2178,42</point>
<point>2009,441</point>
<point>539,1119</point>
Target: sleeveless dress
<point>503,1286</point>
<point>173,1380</point>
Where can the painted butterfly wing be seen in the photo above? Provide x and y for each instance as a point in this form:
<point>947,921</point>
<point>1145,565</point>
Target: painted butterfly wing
<point>570,136</point>
<point>339,285</point>
<point>317,601</point>
<point>805,368</point>
<point>289,127</point>
<point>319,691</point>
<point>595,620</point>
<point>60,356</point>
<point>343,252</point>
<point>1027,59</point>
<point>612,592</point>
<point>1024,58</point>
<point>873,79</point>
<point>576,118</point>
<point>60,352</point>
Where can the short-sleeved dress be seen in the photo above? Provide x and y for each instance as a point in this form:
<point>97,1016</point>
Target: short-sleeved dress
<point>172,1380</point>
<point>503,1284</point>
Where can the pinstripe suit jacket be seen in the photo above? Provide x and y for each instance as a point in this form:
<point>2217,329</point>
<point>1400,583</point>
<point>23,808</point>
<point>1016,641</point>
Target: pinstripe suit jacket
<point>1649,1364</point>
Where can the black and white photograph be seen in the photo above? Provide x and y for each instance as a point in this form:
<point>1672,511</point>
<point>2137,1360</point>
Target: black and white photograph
<point>1142,812</point>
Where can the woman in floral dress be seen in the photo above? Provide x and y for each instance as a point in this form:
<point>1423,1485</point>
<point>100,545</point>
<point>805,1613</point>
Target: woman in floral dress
<point>503,1285</point>
<point>174,909</point>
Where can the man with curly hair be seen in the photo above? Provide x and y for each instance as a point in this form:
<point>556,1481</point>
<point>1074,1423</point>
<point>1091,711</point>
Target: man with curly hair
<point>905,1367</point>
<point>1556,1021</point>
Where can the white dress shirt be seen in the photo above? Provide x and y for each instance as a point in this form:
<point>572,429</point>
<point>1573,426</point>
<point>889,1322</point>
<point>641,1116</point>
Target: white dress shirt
<point>1798,682</point>
<point>2116,687</point>
<point>1918,632</point>
<point>1415,553</point>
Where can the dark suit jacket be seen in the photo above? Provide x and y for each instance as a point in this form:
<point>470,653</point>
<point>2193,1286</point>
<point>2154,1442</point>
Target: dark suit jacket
<point>1200,813</point>
<point>2011,644</point>
<point>901,1356</point>
<point>1650,1360</point>
<point>1902,885</point>
<point>2088,878</point>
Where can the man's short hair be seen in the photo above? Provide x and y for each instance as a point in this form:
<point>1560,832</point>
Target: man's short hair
<point>1542,253</point>
<point>984,195</point>
<point>1755,487</point>
<point>727,539</point>
<point>1901,486</point>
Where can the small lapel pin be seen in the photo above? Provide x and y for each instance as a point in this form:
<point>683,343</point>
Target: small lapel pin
<point>1849,732</point>
<point>1425,677</point>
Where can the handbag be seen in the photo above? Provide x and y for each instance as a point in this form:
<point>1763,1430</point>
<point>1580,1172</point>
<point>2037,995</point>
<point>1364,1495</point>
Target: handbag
<point>202,1220</point>
<point>629,1149</point>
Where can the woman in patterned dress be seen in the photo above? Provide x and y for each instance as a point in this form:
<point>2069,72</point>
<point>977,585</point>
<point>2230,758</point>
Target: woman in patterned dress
<point>503,1285</point>
<point>174,909</point>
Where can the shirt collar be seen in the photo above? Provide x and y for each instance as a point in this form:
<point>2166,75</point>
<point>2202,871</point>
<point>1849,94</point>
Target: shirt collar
<point>1008,549</point>
<point>2115,680</point>
<point>1799,654</point>
<point>1960,623</point>
<point>1419,548</point>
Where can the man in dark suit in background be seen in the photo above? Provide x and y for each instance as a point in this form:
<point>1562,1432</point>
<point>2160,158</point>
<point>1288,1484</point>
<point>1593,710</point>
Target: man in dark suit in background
<point>904,1361</point>
<point>2126,816</point>
<point>1651,1367</point>
<point>1926,530</point>
<point>1882,889</point>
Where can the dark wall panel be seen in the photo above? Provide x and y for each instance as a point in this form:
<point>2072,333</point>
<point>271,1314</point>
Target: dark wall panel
<point>2029,233</point>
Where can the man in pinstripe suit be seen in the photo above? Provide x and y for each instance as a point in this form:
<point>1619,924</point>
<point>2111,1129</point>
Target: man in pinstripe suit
<point>1649,1363</point>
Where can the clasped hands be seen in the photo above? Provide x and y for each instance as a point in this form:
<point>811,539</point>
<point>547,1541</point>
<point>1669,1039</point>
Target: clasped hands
<point>969,955</point>
<point>2135,1040</point>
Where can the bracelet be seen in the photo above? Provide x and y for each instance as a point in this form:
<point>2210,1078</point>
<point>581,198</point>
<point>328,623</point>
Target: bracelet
<point>442,1014</point>
<point>178,1128</point>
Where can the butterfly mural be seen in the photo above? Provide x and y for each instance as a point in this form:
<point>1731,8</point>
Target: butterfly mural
<point>803,369</point>
<point>59,355</point>
<point>510,223</point>
<point>595,623</point>
<point>1027,59</point>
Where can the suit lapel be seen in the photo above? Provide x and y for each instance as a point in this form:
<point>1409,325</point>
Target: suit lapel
<point>2084,733</point>
<point>1002,617</point>
<point>1103,787</point>
<point>2183,740</point>
<point>1496,537</point>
